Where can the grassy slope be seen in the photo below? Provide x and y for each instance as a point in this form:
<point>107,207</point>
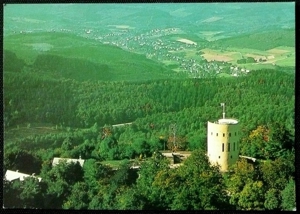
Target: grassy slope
<point>260,41</point>
<point>71,56</point>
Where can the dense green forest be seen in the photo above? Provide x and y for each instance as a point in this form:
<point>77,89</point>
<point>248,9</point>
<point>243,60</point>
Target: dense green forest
<point>32,97</point>
<point>80,115</point>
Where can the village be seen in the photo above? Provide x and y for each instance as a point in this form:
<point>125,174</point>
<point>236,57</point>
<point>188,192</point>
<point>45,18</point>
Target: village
<point>163,45</point>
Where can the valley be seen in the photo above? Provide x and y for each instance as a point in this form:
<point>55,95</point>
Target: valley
<point>117,92</point>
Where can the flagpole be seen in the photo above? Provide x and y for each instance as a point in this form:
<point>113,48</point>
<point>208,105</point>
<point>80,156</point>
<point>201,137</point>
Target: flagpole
<point>223,104</point>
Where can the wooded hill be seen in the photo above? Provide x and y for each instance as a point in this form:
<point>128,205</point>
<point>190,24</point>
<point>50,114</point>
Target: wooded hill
<point>79,115</point>
<point>263,102</point>
<point>61,55</point>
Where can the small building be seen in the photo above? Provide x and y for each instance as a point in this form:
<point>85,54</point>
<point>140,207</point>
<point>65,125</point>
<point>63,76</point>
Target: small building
<point>15,175</point>
<point>176,158</point>
<point>169,156</point>
<point>68,160</point>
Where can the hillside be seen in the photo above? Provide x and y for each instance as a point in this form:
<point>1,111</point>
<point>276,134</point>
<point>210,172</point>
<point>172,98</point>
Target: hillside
<point>70,56</point>
<point>260,40</point>
<point>62,118</point>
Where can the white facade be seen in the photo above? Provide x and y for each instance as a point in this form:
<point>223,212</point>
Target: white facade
<point>68,160</point>
<point>14,175</point>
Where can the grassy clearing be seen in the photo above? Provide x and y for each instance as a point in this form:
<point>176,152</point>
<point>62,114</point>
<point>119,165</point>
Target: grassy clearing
<point>169,62</point>
<point>283,48</point>
<point>258,66</point>
<point>178,70</point>
<point>180,13</point>
<point>212,19</point>
<point>244,51</point>
<point>286,62</point>
<point>114,163</point>
<point>210,35</point>
<point>219,55</point>
<point>186,41</point>
<point>224,75</point>
<point>191,54</point>
<point>260,41</point>
<point>180,34</point>
<point>278,51</point>
<point>25,130</point>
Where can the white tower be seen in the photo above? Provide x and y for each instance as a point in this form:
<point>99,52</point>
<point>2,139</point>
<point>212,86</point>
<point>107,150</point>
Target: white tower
<point>223,137</point>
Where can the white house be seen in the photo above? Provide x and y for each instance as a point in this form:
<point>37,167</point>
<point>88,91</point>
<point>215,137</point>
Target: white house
<point>14,175</point>
<point>69,160</point>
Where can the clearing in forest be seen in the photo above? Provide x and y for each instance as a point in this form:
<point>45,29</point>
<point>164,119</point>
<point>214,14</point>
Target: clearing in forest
<point>212,19</point>
<point>187,41</point>
<point>22,131</point>
<point>218,55</point>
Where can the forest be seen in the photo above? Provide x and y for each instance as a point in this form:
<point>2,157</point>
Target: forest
<point>47,117</point>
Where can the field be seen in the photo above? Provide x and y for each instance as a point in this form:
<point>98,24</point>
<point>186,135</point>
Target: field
<point>290,61</point>
<point>284,55</point>
<point>210,55</point>
<point>280,56</point>
<point>269,49</point>
<point>211,35</point>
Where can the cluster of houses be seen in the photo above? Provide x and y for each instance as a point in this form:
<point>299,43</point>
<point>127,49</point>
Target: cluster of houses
<point>236,71</point>
<point>174,158</point>
<point>163,49</point>
<point>11,175</point>
<point>172,51</point>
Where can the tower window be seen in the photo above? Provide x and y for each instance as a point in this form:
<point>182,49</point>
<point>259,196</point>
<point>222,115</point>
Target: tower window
<point>219,157</point>
<point>231,156</point>
<point>228,147</point>
<point>223,134</point>
<point>229,134</point>
<point>217,134</point>
<point>222,147</point>
<point>233,146</point>
<point>235,133</point>
<point>211,133</point>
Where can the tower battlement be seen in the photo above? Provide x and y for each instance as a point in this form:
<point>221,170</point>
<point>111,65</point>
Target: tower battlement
<point>227,121</point>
